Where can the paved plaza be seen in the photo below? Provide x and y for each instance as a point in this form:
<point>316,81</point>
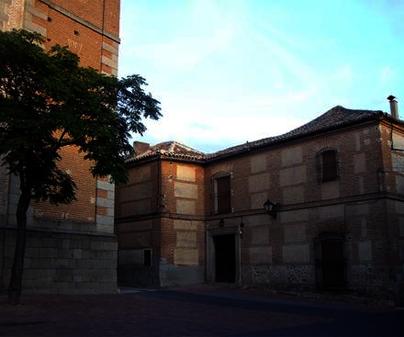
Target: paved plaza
<point>197,311</point>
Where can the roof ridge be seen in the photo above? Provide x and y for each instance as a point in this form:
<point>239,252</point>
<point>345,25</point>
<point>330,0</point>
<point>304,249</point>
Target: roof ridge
<point>336,117</point>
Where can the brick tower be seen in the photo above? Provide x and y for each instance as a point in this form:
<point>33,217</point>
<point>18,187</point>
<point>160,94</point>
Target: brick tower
<point>70,248</point>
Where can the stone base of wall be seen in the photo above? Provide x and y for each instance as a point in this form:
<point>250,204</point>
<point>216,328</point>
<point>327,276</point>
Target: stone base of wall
<point>363,280</point>
<point>280,276</point>
<point>138,276</point>
<point>172,275</point>
<point>372,281</point>
<point>62,263</point>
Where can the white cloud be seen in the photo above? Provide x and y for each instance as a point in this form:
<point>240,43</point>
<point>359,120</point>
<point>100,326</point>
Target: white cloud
<point>185,52</point>
<point>221,123</point>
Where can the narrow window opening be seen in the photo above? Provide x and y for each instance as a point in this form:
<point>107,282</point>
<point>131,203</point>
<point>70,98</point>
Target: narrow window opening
<point>223,195</point>
<point>329,165</point>
<point>147,257</point>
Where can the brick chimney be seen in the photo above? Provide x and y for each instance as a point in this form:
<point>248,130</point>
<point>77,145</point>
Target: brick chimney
<point>140,147</point>
<point>393,107</point>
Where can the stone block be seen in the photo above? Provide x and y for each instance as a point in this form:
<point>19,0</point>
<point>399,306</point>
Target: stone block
<point>260,255</point>
<point>77,253</point>
<point>397,161</point>
<point>105,220</point>
<point>186,256</point>
<point>299,215</point>
<point>186,173</point>
<point>399,207</point>
<point>294,233</point>
<point>105,185</point>
<point>65,263</point>
<point>400,184</point>
<point>258,200</point>
<point>185,206</point>
<point>361,185</point>
<point>185,190</point>
<point>257,220</point>
<point>360,209</point>
<point>171,275</point>
<point>186,239</point>
<point>97,245</point>
<point>292,176</point>
<point>401,226</point>
<point>111,212</point>
<point>111,195</point>
<point>364,228</point>
<point>298,253</point>
<point>260,235</point>
<point>48,252</point>
<point>258,182</point>
<point>293,195</point>
<point>365,251</point>
<point>401,247</point>
<point>186,224</point>
<point>398,140</point>
<point>330,190</point>
<point>105,228</point>
<point>291,156</point>
<point>103,202</point>
<point>258,163</point>
<point>329,212</point>
<point>359,161</point>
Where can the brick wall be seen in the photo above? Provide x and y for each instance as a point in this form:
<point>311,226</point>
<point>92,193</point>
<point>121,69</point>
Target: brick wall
<point>164,217</point>
<point>86,226</point>
<point>91,31</point>
<point>281,251</point>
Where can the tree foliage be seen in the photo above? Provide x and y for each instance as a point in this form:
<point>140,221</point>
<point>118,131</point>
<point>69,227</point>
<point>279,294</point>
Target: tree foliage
<point>48,102</point>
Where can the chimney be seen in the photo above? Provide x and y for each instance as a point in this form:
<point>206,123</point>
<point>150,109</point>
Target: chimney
<point>393,107</point>
<point>140,147</point>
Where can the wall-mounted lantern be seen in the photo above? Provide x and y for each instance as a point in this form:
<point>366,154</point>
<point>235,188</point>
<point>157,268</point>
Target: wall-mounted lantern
<point>271,208</point>
<point>241,228</point>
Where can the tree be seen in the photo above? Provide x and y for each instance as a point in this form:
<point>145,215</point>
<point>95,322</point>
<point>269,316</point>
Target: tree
<point>47,102</point>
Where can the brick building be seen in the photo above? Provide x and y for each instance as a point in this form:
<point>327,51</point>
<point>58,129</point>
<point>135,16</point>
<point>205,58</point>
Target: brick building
<point>321,206</point>
<point>70,248</point>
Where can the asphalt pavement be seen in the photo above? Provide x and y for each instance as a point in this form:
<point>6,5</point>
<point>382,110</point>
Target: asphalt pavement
<point>195,311</point>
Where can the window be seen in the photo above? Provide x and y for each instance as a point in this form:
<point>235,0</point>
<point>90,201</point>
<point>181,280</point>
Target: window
<point>147,257</point>
<point>329,165</point>
<point>222,195</point>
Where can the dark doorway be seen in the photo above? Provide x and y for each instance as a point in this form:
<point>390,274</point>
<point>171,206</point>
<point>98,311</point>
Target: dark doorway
<point>331,265</point>
<point>225,258</point>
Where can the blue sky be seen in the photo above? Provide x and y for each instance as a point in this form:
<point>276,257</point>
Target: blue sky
<point>232,71</point>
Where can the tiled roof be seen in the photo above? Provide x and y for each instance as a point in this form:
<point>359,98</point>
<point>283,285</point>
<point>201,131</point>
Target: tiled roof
<point>170,149</point>
<point>334,118</point>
